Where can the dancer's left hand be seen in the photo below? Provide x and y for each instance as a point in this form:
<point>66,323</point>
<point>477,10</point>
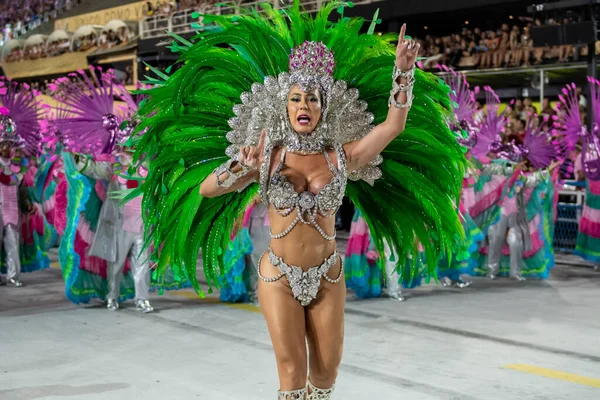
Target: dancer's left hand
<point>555,164</point>
<point>406,52</point>
<point>30,209</point>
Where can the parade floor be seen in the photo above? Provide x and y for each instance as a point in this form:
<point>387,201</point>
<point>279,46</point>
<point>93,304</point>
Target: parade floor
<point>494,340</point>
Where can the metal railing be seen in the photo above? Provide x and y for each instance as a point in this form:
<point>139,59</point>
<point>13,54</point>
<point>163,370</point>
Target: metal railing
<point>181,21</point>
<point>568,215</point>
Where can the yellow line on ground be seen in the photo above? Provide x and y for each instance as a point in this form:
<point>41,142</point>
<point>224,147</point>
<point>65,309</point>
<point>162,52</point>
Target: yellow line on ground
<point>550,373</point>
<point>193,296</point>
<point>214,300</point>
<point>245,307</point>
<point>55,265</point>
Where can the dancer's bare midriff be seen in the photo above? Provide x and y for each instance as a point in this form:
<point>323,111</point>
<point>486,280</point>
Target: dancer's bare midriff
<point>304,248</point>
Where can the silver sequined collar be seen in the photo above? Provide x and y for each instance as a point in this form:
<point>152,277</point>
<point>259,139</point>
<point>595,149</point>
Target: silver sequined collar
<point>345,119</point>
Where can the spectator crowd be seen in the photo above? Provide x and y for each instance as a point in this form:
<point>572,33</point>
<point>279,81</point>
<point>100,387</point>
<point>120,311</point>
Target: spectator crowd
<point>57,47</point>
<point>159,8</point>
<point>19,16</point>
<point>511,45</point>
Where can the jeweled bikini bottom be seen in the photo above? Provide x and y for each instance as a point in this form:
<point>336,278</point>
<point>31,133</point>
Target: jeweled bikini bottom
<point>304,284</point>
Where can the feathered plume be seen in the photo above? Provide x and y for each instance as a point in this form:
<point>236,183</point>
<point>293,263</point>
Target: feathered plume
<point>590,154</point>
<point>573,128</point>
<point>22,113</point>
<point>538,147</point>
<point>132,101</point>
<point>86,120</point>
<point>461,94</point>
<point>490,127</point>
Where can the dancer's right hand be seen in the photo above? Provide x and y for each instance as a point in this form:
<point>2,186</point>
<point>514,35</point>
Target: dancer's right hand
<point>522,166</point>
<point>253,157</point>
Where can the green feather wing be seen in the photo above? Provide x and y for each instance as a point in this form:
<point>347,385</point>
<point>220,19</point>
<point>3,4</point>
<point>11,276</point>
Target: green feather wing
<point>415,201</point>
<point>186,120</point>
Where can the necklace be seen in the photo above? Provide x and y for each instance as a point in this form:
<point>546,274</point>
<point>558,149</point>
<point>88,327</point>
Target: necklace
<point>303,152</point>
<point>313,143</point>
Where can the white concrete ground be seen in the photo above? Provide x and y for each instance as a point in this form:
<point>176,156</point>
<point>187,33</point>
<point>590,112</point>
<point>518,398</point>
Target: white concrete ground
<point>495,340</point>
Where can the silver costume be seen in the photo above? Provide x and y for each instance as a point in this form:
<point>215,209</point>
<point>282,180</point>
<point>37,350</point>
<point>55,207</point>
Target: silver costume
<point>281,193</point>
<point>115,244</point>
<point>344,119</point>
<point>518,237</point>
<point>392,279</point>
<point>11,241</point>
<point>305,284</point>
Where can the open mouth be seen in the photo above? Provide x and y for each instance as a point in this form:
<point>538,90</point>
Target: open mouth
<point>303,119</point>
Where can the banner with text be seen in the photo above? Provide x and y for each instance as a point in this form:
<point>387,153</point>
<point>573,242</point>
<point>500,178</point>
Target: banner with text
<point>130,12</point>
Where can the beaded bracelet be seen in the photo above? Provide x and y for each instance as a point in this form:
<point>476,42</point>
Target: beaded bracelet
<point>233,176</point>
<point>402,87</point>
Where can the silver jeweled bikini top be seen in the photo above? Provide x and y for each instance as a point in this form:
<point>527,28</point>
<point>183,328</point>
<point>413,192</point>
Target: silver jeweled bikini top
<point>281,193</point>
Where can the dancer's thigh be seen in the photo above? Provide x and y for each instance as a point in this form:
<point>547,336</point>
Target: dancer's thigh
<point>325,331</point>
<point>286,322</point>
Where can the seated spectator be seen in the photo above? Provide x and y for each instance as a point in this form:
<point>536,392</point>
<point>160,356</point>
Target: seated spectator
<point>103,41</point>
<point>487,51</point>
<point>566,51</point>
<point>149,9</point>
<point>503,47</point>
<point>128,75</point>
<point>529,108</point>
<point>122,35</point>
<point>547,110</point>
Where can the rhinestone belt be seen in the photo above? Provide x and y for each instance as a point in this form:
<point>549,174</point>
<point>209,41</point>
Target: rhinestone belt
<point>304,284</point>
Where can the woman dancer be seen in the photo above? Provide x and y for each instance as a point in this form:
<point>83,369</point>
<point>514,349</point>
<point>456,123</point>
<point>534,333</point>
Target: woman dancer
<point>300,135</point>
<point>588,240</point>
<point>456,271</point>
<point>21,221</point>
<point>102,253</point>
<point>526,210</point>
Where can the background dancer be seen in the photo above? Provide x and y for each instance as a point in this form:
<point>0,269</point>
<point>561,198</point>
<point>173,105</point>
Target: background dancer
<point>588,239</point>
<point>22,224</point>
<point>366,271</point>
<point>102,252</point>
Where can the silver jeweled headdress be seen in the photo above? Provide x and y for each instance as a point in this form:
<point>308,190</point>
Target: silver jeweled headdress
<point>8,132</point>
<point>344,118</point>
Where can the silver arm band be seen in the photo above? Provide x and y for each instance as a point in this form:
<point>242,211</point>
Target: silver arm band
<point>402,87</point>
<point>536,178</point>
<point>504,169</point>
<point>233,176</point>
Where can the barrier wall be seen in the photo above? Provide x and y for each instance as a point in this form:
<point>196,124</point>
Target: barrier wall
<point>62,64</point>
